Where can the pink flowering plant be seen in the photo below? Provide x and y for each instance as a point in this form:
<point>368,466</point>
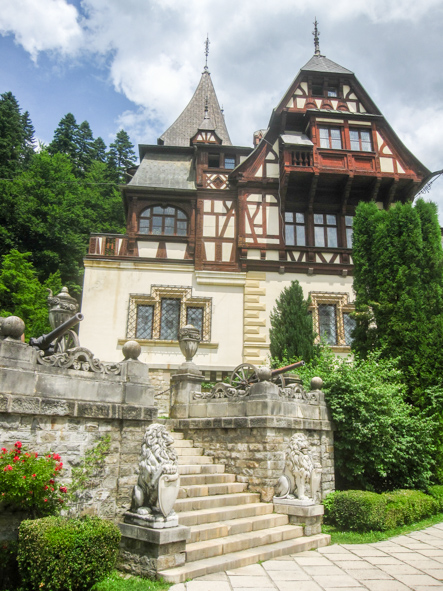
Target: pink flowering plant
<point>29,482</point>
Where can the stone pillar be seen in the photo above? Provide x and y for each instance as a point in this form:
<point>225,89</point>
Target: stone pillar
<point>183,387</point>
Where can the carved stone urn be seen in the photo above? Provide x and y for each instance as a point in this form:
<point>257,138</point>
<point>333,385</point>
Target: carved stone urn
<point>189,339</point>
<point>61,307</point>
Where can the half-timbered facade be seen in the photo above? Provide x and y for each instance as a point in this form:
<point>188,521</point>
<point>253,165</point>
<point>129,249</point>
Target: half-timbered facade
<point>216,231</point>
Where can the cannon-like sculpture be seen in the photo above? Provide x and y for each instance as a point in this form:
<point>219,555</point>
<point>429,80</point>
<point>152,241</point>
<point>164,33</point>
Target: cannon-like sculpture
<point>60,339</point>
<point>246,374</point>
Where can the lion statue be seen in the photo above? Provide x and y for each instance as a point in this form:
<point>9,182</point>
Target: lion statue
<point>300,472</point>
<point>157,458</point>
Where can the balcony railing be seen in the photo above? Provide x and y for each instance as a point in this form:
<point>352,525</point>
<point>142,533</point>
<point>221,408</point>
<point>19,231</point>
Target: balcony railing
<point>108,245</point>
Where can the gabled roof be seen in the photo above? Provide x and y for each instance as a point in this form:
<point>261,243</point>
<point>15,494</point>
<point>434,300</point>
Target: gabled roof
<point>187,124</point>
<point>320,63</point>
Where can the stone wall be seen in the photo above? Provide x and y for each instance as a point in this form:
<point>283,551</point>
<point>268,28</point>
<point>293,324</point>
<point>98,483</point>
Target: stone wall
<point>66,410</point>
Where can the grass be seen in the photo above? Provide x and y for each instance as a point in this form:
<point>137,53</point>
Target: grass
<point>116,582</point>
<point>350,537</point>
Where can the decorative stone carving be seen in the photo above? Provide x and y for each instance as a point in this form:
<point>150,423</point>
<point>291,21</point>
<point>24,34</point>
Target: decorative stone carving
<point>61,307</point>
<point>301,475</point>
<point>81,359</point>
<point>158,482</point>
<point>11,327</point>
<point>189,339</point>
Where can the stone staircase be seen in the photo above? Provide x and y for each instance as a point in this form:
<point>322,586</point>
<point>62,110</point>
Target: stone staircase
<point>230,527</point>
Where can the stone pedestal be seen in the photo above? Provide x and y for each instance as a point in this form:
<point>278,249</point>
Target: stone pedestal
<point>184,385</point>
<point>145,551</point>
<point>309,516</point>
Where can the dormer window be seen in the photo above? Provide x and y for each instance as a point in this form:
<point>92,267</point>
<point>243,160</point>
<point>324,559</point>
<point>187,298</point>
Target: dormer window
<point>332,92</point>
<point>161,220</point>
<point>229,162</point>
<point>214,160</point>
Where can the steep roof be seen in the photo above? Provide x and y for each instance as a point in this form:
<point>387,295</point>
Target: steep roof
<point>165,170</point>
<point>186,125</point>
<point>320,63</point>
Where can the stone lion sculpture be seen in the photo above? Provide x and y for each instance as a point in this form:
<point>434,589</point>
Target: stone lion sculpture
<point>300,472</point>
<point>157,459</point>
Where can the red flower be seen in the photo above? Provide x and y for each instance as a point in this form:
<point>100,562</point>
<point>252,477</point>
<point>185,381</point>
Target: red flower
<point>33,476</point>
<point>7,468</point>
<point>4,450</point>
<point>52,481</point>
<point>52,489</point>
<point>36,454</point>
<point>63,489</point>
<point>46,500</point>
<point>27,455</point>
<point>56,457</point>
<point>24,477</point>
<point>61,500</point>
<point>16,458</point>
<point>18,444</point>
<point>30,492</point>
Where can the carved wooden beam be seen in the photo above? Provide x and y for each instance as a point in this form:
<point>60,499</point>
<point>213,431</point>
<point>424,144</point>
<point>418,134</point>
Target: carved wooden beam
<point>375,189</point>
<point>391,195</point>
<point>346,193</point>
<point>313,190</point>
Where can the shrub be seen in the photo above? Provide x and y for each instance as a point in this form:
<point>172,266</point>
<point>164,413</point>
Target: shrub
<point>362,511</point>
<point>381,443</point>
<point>407,506</point>
<point>29,482</point>
<point>57,553</point>
<point>436,492</point>
<point>10,578</point>
<point>357,510</point>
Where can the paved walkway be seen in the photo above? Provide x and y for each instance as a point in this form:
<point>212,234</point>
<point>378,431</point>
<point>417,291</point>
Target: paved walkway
<point>413,561</point>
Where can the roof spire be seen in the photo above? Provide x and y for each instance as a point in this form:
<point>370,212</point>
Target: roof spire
<point>207,42</point>
<point>316,40</point>
<point>206,107</point>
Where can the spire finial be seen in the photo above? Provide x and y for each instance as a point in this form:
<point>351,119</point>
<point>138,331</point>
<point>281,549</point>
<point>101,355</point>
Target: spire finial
<point>207,42</point>
<point>316,40</point>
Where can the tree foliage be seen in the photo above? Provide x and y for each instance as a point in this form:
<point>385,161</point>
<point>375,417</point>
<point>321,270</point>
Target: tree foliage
<point>16,137</point>
<point>291,333</point>
<point>398,266</point>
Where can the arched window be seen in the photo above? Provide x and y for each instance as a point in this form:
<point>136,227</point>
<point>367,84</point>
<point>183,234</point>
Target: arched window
<point>163,220</point>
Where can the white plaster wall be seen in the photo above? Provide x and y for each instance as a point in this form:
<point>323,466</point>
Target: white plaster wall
<point>105,307</point>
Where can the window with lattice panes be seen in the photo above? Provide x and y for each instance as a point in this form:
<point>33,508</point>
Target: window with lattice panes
<point>330,137</point>
<point>331,318</point>
<point>295,231</point>
<point>160,220</point>
<point>160,315</point>
<point>360,140</point>
<point>325,230</point>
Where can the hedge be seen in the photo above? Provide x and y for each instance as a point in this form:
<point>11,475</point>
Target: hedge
<point>58,553</point>
<point>362,511</point>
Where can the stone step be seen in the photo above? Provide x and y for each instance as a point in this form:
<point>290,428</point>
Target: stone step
<point>243,558</point>
<point>195,469</point>
<point>188,451</point>
<point>215,501</point>
<point>221,529</point>
<point>190,518</point>
<point>195,460</point>
<point>176,435</point>
<point>180,443</point>
<point>206,479</point>
<point>239,542</point>
<point>205,490</point>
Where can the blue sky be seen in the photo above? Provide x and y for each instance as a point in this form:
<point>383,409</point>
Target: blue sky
<point>135,64</point>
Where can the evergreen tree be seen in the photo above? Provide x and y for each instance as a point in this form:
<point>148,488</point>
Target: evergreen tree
<point>16,137</point>
<point>398,263</point>
<point>66,138</point>
<point>99,150</point>
<point>291,333</point>
<point>85,147</point>
<point>121,155</point>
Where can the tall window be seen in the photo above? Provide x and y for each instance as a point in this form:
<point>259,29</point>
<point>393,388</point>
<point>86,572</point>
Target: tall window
<point>325,230</point>
<point>295,234</point>
<point>348,326</point>
<point>330,137</point>
<point>327,323</point>
<point>349,220</point>
<point>360,140</point>
<point>161,220</point>
<point>159,316</point>
<point>229,161</point>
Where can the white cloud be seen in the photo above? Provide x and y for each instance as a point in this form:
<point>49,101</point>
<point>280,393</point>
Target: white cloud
<point>42,25</point>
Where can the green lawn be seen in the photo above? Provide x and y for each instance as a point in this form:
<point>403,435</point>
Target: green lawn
<point>346,537</point>
<point>117,582</point>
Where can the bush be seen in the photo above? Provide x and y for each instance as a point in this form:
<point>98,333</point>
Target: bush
<point>381,443</point>
<point>362,511</point>
<point>10,578</point>
<point>56,553</point>
<point>408,506</point>
<point>29,482</point>
<point>357,510</point>
<point>436,492</point>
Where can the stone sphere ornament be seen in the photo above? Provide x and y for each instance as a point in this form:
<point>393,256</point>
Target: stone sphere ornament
<point>264,373</point>
<point>13,327</point>
<point>131,350</point>
<point>316,384</point>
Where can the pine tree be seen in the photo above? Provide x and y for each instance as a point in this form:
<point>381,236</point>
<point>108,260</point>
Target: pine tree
<point>99,150</point>
<point>121,155</point>
<point>85,147</point>
<point>66,138</point>
<point>16,137</point>
<point>291,333</point>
